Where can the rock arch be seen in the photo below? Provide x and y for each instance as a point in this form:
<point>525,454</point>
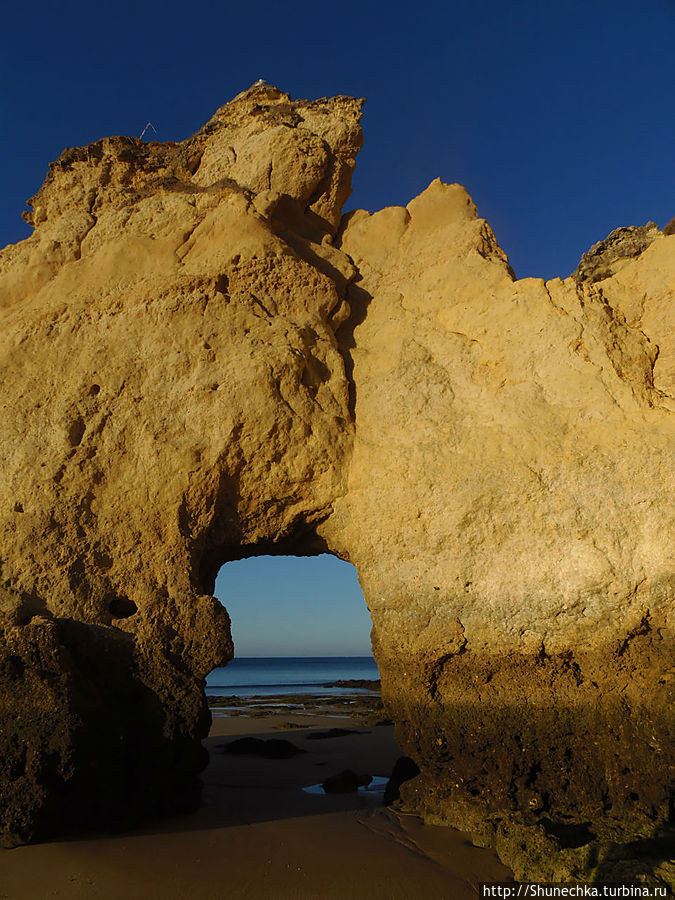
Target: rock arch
<point>204,360</point>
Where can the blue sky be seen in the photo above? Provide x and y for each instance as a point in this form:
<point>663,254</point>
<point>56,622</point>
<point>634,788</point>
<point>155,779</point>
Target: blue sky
<point>295,606</point>
<point>556,116</point>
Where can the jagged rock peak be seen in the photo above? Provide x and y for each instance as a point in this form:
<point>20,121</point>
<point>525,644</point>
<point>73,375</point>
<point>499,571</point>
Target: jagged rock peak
<point>261,140</point>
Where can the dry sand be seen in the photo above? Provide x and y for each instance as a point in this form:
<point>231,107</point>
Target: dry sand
<point>259,836</point>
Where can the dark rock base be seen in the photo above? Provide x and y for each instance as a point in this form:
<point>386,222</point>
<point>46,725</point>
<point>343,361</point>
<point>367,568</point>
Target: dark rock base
<point>563,764</point>
<point>85,742</point>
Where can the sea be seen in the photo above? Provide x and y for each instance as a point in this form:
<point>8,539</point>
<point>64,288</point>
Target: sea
<point>267,676</point>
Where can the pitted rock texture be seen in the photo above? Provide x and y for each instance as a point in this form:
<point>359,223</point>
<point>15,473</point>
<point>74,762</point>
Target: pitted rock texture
<point>520,572</point>
<point>173,394</point>
<point>203,361</point>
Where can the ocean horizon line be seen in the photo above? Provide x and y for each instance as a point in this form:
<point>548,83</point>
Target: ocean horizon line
<point>291,656</point>
<point>287,684</point>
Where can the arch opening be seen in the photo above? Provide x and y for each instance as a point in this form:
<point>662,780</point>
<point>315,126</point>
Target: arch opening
<point>288,605</point>
<point>303,685</point>
<point>301,632</point>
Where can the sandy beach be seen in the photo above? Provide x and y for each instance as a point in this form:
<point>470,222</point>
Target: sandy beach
<point>258,834</point>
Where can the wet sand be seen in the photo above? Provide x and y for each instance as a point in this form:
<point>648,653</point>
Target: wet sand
<point>258,835</point>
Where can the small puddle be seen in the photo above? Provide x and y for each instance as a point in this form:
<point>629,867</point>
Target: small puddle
<point>376,786</point>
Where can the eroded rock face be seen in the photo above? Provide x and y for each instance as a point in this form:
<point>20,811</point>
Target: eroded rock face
<point>173,397</point>
<point>203,361</point>
<point>519,574</point>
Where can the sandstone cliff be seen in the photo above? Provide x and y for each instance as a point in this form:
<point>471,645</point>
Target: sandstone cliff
<point>203,361</point>
<point>510,509</point>
<point>173,397</point>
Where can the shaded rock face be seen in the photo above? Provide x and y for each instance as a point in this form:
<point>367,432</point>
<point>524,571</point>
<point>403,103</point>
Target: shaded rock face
<point>204,361</point>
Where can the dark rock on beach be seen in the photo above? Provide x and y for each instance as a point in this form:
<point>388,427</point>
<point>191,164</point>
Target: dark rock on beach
<point>356,706</point>
<point>332,733</point>
<point>404,769</point>
<point>356,683</point>
<point>274,748</point>
<point>346,782</point>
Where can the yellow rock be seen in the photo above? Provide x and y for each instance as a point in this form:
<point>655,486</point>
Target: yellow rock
<point>202,360</point>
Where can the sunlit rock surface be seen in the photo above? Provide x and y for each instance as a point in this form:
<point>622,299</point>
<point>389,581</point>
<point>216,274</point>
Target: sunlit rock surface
<point>202,360</point>
<point>510,510</point>
<point>173,395</point>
